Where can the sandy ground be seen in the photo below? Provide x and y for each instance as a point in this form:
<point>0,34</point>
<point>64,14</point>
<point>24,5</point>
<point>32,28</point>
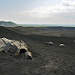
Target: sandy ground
<point>47,59</point>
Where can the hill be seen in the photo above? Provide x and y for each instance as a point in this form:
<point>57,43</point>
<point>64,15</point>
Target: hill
<point>7,24</point>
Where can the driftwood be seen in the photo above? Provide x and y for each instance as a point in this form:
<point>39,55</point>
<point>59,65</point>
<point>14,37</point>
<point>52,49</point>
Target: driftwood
<point>62,45</point>
<point>15,48</point>
<point>49,43</point>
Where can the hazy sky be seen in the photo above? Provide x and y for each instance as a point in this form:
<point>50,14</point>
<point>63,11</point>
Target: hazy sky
<point>38,11</point>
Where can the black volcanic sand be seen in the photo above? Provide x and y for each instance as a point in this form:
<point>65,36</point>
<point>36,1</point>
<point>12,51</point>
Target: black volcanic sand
<point>47,59</point>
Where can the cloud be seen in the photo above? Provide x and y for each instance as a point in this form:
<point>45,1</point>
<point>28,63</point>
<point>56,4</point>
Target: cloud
<point>64,7</point>
<point>61,13</point>
<point>68,3</point>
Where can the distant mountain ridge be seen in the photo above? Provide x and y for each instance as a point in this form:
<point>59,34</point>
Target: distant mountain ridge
<point>7,24</point>
<point>58,28</point>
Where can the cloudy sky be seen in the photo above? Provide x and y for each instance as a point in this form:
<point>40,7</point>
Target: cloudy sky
<point>38,11</point>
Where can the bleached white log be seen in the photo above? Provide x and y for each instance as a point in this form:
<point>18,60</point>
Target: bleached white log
<point>61,45</point>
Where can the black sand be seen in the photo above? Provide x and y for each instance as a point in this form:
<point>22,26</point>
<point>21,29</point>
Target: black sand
<point>47,59</point>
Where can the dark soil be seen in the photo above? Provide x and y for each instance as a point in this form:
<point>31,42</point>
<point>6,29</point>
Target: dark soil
<point>47,59</point>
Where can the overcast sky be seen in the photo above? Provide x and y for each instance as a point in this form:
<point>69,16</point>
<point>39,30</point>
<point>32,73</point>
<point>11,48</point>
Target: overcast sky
<point>38,11</point>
